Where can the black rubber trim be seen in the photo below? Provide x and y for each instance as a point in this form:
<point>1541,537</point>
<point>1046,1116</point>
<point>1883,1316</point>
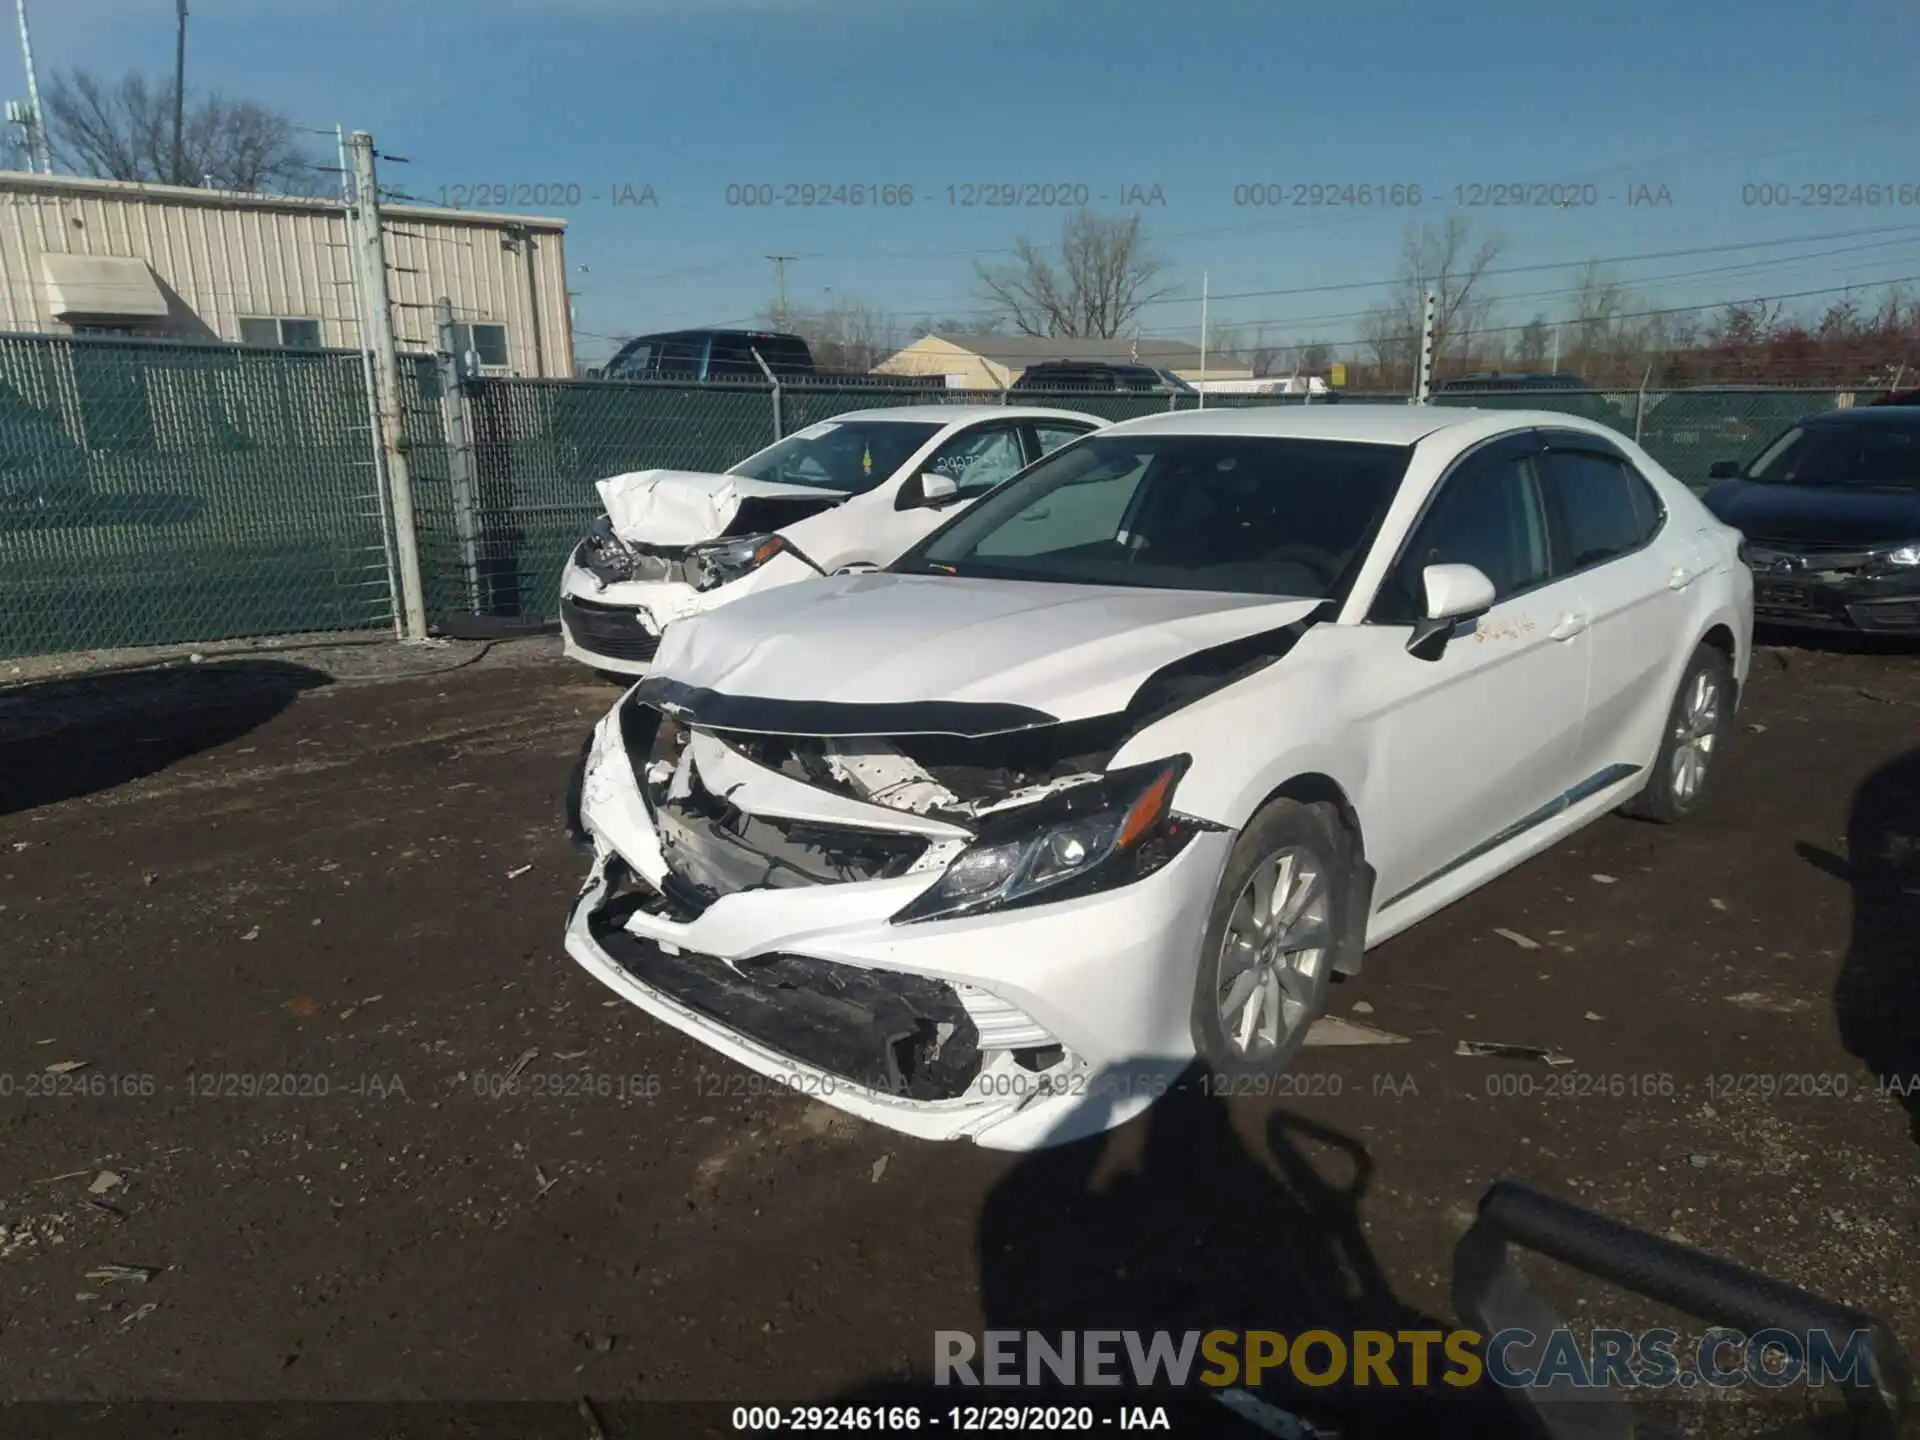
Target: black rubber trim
<point>760,716</point>
<point>577,835</point>
<point>896,1033</point>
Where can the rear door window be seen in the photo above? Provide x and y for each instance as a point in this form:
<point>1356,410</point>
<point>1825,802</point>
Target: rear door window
<point>1600,509</point>
<point>1050,435</point>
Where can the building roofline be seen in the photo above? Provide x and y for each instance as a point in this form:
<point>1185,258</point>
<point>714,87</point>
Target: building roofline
<point>17,181</point>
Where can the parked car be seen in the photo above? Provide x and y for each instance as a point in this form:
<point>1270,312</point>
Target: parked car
<point>43,471</point>
<point>710,355</point>
<point>1098,375</point>
<point>1125,763</point>
<point>848,492</point>
<point>1491,380</point>
<point>1831,511</point>
<point>729,355</point>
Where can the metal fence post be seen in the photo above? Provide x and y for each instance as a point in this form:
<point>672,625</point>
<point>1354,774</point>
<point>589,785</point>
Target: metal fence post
<point>386,366</point>
<point>1640,402</point>
<point>461,477</point>
<point>779,428</point>
<point>1423,372</point>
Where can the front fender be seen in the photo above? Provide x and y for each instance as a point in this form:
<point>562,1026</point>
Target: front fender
<point>1252,738</point>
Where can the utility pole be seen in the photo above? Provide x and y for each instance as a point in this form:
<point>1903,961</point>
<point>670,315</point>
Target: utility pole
<point>780,283</point>
<point>356,255</point>
<point>1203,341</point>
<point>1423,381</point>
<point>1555,365</point>
<point>180,94</point>
<point>386,371</point>
<point>37,132</point>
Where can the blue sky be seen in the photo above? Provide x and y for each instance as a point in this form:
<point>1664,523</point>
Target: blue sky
<point>693,96</point>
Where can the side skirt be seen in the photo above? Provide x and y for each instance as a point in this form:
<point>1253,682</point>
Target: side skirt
<point>1587,789</point>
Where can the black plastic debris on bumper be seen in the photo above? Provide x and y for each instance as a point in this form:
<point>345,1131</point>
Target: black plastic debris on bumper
<point>899,1034</point>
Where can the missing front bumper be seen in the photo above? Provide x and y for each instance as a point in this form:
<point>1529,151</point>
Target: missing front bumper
<point>908,1036</point>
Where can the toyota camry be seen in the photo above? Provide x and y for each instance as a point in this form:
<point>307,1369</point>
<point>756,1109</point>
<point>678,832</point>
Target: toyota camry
<point>1130,761</point>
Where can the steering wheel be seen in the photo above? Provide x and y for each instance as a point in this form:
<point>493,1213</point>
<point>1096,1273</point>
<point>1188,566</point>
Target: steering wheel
<point>1307,557</point>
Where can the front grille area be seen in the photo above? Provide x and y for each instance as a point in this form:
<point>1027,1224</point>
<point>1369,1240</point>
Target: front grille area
<point>899,1034</point>
<point>1900,615</point>
<point>611,630</point>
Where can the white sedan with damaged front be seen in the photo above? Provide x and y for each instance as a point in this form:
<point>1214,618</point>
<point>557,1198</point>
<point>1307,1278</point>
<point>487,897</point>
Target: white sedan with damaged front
<point>1128,763</point>
<point>848,493</point>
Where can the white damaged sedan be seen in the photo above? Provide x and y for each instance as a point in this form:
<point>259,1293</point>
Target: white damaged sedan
<point>1125,764</point>
<point>851,492</point>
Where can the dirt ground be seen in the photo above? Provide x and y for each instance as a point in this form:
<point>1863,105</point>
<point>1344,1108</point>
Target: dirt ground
<point>296,920</point>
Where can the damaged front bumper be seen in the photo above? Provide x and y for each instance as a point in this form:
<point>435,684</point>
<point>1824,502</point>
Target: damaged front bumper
<point>1016,1029</point>
<point>616,625</point>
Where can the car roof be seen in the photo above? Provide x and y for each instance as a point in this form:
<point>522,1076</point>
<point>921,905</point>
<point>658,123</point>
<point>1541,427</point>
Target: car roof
<point>958,414</point>
<point>682,334</point>
<point>1384,424</point>
<point>1895,415</point>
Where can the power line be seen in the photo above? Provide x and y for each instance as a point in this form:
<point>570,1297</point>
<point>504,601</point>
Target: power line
<point>947,309</point>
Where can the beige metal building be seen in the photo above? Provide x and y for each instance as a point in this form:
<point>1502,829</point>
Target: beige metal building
<point>987,361</point>
<point>117,257</point>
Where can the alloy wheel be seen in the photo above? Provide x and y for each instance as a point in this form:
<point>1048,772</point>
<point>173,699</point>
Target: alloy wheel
<point>1695,731</point>
<point>1275,950</point>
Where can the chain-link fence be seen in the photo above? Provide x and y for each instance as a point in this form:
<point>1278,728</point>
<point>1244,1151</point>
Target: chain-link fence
<point>153,493</point>
<point>1687,431</point>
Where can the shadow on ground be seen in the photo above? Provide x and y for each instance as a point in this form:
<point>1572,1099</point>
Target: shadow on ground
<point>60,739</point>
<point>1835,642</point>
<point>1173,1224</point>
<point>1876,998</point>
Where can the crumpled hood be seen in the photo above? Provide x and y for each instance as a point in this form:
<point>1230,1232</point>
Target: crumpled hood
<point>684,507</point>
<point>930,644</point>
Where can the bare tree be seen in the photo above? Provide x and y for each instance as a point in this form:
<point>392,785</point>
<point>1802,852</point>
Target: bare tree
<point>953,325</point>
<point>1226,346</point>
<point>1445,261</point>
<point>1531,350</point>
<point>845,334</point>
<point>1106,273</point>
<point>124,131</point>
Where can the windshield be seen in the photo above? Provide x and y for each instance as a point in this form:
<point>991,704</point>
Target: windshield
<point>851,457</point>
<point>1874,457</point>
<point>1249,514</point>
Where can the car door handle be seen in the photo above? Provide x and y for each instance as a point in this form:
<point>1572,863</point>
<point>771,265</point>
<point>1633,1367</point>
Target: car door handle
<point>1682,577</point>
<point>1570,625</point>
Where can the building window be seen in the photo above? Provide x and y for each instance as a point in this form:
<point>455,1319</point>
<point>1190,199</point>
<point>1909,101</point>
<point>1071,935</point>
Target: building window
<point>285,334</point>
<point>490,341</point>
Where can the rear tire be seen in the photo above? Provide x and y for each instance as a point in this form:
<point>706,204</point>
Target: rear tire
<point>1696,732</point>
<point>1272,939</point>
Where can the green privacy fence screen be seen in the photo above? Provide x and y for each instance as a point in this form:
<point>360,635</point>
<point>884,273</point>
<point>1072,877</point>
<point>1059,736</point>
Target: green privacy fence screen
<point>170,493</point>
<point>155,493</point>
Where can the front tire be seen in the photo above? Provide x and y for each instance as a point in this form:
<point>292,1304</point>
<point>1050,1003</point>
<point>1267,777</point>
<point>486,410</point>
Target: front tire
<point>1271,940</point>
<point>1695,734</point>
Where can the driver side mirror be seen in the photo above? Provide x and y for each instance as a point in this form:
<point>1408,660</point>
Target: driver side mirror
<point>1454,593</point>
<point>1723,470</point>
<point>936,490</point>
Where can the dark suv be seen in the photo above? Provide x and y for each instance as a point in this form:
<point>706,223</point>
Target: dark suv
<point>1513,380</point>
<point>710,355</point>
<point>1098,375</point>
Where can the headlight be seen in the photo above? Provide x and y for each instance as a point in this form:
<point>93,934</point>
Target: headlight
<point>1091,837</point>
<point>721,561</point>
<point>604,555</point>
<point>1905,555</point>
